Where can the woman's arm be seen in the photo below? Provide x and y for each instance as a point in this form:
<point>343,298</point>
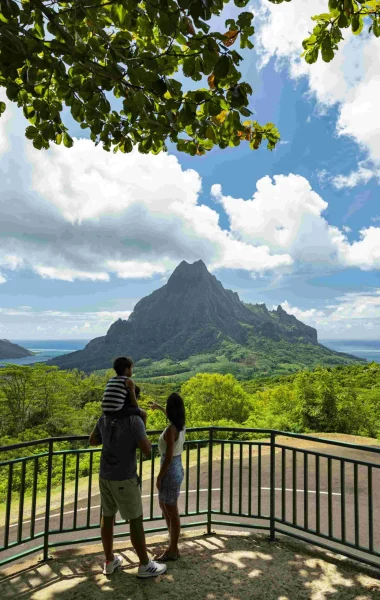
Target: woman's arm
<point>155,406</point>
<point>170,438</point>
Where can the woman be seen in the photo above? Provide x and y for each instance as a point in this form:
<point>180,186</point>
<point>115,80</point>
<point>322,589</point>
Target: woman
<point>169,480</point>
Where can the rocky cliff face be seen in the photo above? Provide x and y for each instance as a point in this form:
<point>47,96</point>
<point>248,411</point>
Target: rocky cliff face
<point>10,350</point>
<point>192,313</point>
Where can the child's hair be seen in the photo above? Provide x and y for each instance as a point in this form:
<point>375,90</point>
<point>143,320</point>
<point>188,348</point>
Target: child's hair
<point>137,391</point>
<point>121,364</point>
<point>175,410</point>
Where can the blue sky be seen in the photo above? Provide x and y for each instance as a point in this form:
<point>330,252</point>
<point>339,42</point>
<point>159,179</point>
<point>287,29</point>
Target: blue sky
<point>83,238</point>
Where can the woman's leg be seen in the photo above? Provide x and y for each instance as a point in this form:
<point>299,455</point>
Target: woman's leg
<point>175,528</point>
<point>167,518</point>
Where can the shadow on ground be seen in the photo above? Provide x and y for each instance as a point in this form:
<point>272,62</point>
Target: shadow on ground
<point>221,566</point>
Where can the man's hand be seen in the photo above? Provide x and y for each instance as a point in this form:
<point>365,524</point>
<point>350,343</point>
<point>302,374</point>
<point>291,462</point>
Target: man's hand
<point>95,439</point>
<point>158,483</point>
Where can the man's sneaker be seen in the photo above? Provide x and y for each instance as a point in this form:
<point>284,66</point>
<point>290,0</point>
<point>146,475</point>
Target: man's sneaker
<point>152,569</point>
<point>111,565</point>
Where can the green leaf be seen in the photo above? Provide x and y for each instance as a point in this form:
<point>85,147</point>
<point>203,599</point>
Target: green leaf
<point>343,21</point>
<point>241,3</point>
<point>376,28</point>
<point>222,67</point>
<point>31,132</point>
<point>312,55</point>
<point>67,140</point>
<point>2,107</point>
<point>357,24</point>
<point>12,91</point>
<point>327,51</point>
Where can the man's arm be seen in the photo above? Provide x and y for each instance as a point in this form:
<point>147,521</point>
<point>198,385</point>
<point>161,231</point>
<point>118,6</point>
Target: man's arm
<point>139,434</point>
<point>145,446</point>
<point>95,437</point>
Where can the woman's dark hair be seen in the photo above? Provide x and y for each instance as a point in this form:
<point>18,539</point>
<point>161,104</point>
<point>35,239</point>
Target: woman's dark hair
<point>137,391</point>
<point>175,410</point>
<point>121,364</point>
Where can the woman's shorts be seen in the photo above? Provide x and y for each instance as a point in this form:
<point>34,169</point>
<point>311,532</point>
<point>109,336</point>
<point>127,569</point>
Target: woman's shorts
<point>123,496</point>
<point>171,481</point>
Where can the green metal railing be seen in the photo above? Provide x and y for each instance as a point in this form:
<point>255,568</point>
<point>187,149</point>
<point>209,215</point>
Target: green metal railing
<point>50,497</point>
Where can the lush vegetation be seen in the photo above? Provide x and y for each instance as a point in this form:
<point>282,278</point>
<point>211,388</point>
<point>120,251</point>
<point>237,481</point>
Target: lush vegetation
<point>261,357</point>
<point>40,401</point>
<point>75,53</point>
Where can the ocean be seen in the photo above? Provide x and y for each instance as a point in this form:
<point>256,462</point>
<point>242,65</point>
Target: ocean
<point>369,349</point>
<point>45,349</point>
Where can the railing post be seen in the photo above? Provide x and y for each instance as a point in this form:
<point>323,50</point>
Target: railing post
<point>272,535</point>
<point>209,499</point>
<point>47,505</point>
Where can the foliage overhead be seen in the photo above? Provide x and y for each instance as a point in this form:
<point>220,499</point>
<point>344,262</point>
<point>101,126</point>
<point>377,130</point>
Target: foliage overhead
<point>79,53</point>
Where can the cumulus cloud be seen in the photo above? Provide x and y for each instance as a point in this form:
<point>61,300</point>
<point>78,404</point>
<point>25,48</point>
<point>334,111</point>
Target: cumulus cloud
<point>351,80</point>
<point>86,214</point>
<point>358,313</point>
<point>287,215</point>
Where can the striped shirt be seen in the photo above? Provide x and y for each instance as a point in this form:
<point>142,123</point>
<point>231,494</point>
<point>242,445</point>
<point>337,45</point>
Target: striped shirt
<point>115,394</point>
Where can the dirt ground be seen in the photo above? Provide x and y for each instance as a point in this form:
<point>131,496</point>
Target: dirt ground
<point>221,566</point>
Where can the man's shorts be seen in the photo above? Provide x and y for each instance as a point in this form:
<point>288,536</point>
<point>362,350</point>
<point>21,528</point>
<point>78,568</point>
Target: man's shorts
<point>123,496</point>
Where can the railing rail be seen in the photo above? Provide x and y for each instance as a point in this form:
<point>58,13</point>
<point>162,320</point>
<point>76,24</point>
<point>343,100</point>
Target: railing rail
<point>330,498</point>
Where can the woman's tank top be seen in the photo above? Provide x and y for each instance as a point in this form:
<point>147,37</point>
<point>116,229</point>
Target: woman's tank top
<point>178,444</point>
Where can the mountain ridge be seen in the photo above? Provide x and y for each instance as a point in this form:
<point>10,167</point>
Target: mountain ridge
<point>10,350</point>
<point>191,314</point>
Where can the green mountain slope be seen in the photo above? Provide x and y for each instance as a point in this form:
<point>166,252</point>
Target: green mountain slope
<point>10,350</point>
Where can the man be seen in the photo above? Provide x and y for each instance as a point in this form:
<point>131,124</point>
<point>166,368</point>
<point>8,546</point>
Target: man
<point>120,487</point>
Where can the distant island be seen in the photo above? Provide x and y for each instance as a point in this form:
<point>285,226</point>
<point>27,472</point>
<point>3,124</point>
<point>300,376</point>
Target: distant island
<point>194,324</point>
<point>10,350</point>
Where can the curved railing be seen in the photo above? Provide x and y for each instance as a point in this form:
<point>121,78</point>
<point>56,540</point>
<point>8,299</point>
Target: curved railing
<point>236,477</point>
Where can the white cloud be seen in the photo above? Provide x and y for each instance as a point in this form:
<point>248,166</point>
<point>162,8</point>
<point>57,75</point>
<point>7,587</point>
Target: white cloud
<point>86,214</point>
<point>355,312</point>
<point>287,216</point>
<point>3,279</point>
<point>69,274</point>
<point>351,80</point>
<point>137,270</point>
<point>58,323</point>
<point>361,176</point>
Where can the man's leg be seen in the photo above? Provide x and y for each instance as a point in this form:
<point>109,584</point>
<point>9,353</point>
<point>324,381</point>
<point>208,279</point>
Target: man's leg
<point>138,539</point>
<point>106,528</point>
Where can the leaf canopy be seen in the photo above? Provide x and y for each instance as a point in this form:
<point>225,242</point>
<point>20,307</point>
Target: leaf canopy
<point>79,53</point>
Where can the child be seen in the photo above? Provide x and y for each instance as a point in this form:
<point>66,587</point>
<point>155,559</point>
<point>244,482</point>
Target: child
<point>120,395</point>
<point>169,480</point>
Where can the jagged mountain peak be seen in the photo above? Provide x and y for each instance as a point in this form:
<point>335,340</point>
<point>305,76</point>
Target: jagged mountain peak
<point>191,314</point>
